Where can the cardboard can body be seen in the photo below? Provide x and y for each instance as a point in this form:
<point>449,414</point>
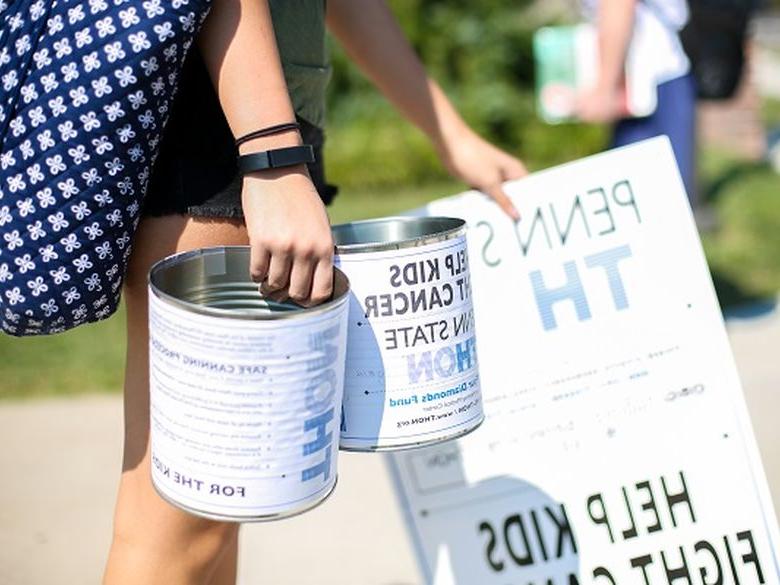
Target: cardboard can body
<point>245,393</point>
<point>412,377</point>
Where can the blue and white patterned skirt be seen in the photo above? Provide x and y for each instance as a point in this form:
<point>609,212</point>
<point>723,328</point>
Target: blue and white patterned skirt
<point>85,89</point>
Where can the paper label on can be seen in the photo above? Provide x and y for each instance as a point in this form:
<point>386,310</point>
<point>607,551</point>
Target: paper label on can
<point>411,372</point>
<point>244,413</point>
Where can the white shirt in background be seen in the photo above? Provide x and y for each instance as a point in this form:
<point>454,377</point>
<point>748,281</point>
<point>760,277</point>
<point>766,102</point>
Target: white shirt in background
<point>655,43</point>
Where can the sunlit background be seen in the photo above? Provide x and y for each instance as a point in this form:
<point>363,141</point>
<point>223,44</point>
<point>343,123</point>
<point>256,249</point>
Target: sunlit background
<point>481,54</point>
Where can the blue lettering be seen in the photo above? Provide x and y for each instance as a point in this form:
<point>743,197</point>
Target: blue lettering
<point>424,366</point>
<point>465,352</point>
<point>444,363</point>
<point>444,356</point>
<point>322,440</point>
<point>322,468</point>
<point>572,291</point>
<point>608,260</point>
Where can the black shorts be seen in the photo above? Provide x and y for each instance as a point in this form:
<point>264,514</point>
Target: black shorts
<point>196,172</point>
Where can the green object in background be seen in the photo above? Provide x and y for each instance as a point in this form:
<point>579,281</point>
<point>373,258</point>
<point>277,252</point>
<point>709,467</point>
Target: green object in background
<point>482,54</point>
<point>744,252</point>
<point>556,72</point>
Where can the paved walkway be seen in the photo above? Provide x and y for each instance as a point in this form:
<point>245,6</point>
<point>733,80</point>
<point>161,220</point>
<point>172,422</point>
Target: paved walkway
<point>59,462</point>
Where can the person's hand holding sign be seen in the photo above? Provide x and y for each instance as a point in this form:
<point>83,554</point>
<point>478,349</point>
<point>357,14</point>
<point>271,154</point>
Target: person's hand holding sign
<point>372,38</point>
<point>482,166</point>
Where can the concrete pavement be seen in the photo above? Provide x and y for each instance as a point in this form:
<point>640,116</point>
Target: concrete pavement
<point>60,459</point>
<point>59,464</point>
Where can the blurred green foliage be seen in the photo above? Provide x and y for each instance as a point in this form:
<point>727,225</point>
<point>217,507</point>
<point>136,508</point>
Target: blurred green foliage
<point>770,112</point>
<point>480,53</point>
<point>743,252</point>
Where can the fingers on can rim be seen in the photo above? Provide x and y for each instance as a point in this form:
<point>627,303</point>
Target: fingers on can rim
<point>278,277</point>
<point>301,280</point>
<point>322,283</point>
<point>259,263</point>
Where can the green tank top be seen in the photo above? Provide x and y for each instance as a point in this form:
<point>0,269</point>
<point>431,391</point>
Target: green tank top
<point>300,34</point>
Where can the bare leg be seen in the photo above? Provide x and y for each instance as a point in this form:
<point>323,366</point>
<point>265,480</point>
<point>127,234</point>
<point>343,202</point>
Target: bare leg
<point>227,569</point>
<point>154,542</point>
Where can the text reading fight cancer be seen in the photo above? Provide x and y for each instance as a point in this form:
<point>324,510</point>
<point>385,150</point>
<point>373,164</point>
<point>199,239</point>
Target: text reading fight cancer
<point>430,291</point>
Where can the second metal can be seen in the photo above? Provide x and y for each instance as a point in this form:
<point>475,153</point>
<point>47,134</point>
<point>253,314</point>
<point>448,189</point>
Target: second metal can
<point>412,377</point>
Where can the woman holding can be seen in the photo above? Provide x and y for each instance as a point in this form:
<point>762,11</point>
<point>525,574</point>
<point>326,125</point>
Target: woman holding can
<point>124,58</point>
<point>283,217</point>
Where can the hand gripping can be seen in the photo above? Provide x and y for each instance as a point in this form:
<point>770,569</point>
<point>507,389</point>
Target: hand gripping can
<point>412,376</point>
<point>245,393</point>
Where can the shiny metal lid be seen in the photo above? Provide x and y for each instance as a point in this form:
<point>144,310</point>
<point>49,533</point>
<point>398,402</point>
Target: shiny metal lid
<point>395,233</point>
<point>215,281</point>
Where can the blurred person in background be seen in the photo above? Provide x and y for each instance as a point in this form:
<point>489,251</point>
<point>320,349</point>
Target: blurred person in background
<point>197,198</point>
<point>658,24</point>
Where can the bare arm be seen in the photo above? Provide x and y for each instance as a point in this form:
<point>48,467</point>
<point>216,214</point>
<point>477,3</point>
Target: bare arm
<point>372,38</point>
<point>292,246</point>
<point>615,26</point>
<point>615,22</point>
<point>239,48</point>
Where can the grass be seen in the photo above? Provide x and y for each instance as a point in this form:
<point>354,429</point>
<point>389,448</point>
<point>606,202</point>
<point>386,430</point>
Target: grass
<point>365,204</point>
<point>770,112</point>
<point>744,255</point>
<point>88,359</point>
<point>744,252</point>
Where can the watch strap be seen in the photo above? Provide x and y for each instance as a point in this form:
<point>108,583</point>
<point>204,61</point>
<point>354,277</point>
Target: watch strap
<point>274,159</point>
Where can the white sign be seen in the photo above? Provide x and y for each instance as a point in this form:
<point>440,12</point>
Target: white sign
<point>617,447</point>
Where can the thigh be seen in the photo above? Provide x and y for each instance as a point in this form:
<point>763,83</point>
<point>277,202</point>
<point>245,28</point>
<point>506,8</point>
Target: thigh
<point>155,542</point>
<point>156,238</point>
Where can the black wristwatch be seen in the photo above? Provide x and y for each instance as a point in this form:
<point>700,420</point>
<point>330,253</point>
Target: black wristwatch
<point>274,159</point>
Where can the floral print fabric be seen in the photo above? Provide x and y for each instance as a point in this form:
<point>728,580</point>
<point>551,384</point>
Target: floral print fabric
<point>85,91</point>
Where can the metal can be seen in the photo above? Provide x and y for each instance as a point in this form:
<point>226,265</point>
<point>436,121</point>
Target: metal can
<point>245,393</point>
<point>412,377</point>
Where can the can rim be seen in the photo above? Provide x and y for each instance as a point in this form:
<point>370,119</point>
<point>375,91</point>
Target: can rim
<point>354,447</point>
<point>457,229</point>
<point>246,519</point>
<point>340,280</point>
